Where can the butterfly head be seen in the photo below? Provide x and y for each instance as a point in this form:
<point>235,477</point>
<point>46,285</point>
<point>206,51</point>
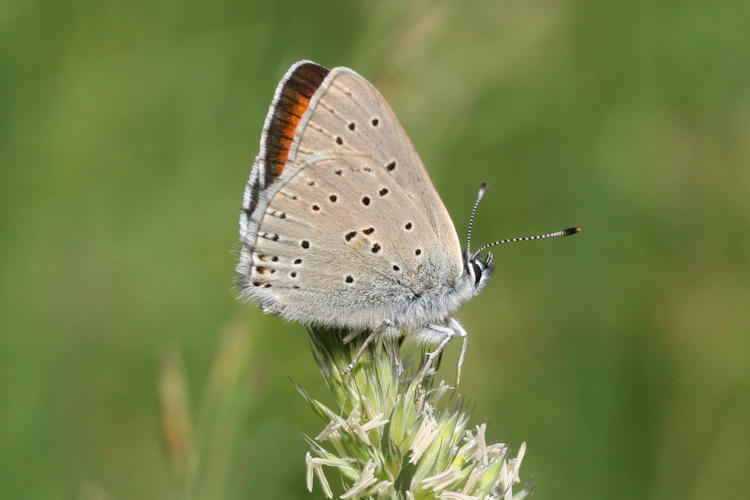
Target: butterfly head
<point>478,268</point>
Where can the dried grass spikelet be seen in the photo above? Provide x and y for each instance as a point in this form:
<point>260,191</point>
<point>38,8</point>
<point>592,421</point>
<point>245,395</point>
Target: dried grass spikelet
<point>387,437</point>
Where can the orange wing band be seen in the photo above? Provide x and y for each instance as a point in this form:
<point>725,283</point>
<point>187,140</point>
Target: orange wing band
<point>293,99</point>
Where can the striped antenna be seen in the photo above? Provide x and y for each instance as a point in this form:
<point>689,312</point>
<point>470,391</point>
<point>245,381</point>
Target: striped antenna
<point>564,232</point>
<point>480,195</point>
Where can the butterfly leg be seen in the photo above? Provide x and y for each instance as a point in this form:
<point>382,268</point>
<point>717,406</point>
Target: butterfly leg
<point>460,332</point>
<point>446,333</point>
<point>377,332</point>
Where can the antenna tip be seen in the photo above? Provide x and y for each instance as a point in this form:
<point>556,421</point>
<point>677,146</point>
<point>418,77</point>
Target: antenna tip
<point>572,230</point>
<point>483,188</point>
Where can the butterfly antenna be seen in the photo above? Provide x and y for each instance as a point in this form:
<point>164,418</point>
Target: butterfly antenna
<point>564,232</point>
<point>480,195</point>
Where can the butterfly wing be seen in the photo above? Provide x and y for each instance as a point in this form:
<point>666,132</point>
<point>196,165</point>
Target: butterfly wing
<point>348,231</point>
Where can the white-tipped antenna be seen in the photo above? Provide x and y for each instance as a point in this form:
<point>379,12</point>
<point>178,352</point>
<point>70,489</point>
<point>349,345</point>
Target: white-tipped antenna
<point>480,195</point>
<point>564,232</point>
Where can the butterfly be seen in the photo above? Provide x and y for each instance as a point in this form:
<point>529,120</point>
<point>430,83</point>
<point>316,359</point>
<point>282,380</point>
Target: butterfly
<point>341,226</point>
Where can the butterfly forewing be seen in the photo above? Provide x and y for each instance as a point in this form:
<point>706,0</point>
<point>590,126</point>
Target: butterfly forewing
<point>351,115</point>
<point>352,222</point>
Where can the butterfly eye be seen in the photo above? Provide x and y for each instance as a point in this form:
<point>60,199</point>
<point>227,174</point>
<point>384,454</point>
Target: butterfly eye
<point>477,272</point>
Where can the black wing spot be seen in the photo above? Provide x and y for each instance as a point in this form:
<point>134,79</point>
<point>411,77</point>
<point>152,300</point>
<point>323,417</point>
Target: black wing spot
<point>408,226</point>
<point>333,198</point>
<point>352,126</point>
<point>375,248</point>
<point>396,268</point>
<point>418,251</point>
<point>305,244</point>
<point>349,279</point>
<point>383,192</point>
<point>339,141</point>
<point>391,166</point>
<point>369,230</point>
<point>365,200</point>
<point>297,261</point>
<point>375,122</point>
<point>351,234</point>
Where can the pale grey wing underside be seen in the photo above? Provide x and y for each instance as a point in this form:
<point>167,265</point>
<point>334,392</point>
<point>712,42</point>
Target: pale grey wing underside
<point>333,243</point>
<point>352,232</point>
<point>352,115</point>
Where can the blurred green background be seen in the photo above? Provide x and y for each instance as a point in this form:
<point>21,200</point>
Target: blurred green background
<point>621,356</point>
